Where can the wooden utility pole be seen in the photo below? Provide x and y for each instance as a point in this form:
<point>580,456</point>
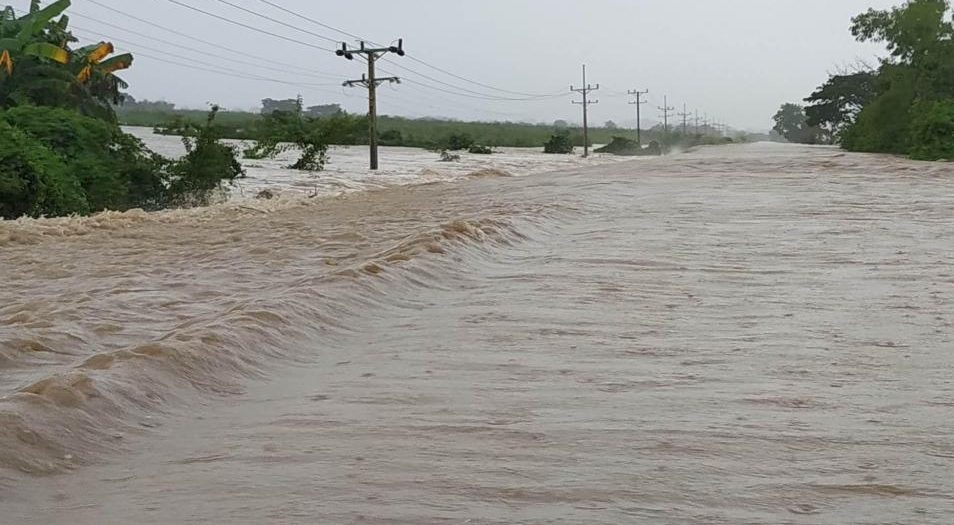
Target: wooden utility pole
<point>667,110</point>
<point>371,82</point>
<point>685,120</point>
<point>638,102</point>
<point>585,91</point>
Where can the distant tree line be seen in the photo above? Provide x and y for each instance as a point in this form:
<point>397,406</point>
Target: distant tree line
<point>904,106</point>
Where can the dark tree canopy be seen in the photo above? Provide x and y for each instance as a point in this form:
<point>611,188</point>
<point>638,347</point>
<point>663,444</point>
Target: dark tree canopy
<point>836,103</point>
<point>792,123</point>
<point>903,106</point>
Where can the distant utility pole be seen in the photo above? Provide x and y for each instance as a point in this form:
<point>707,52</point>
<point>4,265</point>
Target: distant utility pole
<point>585,91</point>
<point>705,123</point>
<point>667,110</point>
<point>638,102</point>
<point>697,122</point>
<point>371,82</point>
<point>685,120</point>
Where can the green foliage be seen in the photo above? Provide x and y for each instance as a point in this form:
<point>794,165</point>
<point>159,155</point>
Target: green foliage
<point>559,143</point>
<point>911,32</point>
<point>114,169</point>
<point>792,123</point>
<point>447,156</point>
<point>932,130</point>
<point>904,106</point>
<point>621,146</point>
<point>457,142</point>
<point>207,163</point>
<point>279,130</point>
<point>54,161</point>
<point>391,137</point>
<point>34,180</point>
<point>477,149</point>
<point>835,105</point>
<point>38,67</point>
<point>345,129</point>
<point>883,126</point>
<point>61,151</point>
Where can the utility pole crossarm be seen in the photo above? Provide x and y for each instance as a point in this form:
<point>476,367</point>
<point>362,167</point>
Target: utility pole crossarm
<point>371,83</point>
<point>685,119</point>
<point>666,112</point>
<point>638,103</point>
<point>585,91</point>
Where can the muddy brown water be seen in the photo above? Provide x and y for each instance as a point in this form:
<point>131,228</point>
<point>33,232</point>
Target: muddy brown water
<point>741,335</point>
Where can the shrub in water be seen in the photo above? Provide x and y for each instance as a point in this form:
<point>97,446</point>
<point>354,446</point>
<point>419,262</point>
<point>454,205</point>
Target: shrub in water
<point>559,143</point>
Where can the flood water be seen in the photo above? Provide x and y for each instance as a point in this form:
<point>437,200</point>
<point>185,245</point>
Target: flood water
<point>756,334</point>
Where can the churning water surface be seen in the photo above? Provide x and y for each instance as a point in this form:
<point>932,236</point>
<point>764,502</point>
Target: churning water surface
<point>738,335</point>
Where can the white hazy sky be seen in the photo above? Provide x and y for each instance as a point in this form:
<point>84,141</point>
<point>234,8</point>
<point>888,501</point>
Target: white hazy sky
<point>732,59</point>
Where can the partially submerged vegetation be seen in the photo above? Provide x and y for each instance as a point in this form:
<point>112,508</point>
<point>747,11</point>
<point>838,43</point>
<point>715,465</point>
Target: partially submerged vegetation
<point>346,129</point>
<point>629,147</point>
<point>904,106</point>
<point>61,149</point>
<point>281,121</point>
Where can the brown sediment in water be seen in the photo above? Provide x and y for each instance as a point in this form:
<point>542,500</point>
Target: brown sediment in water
<point>736,335</point>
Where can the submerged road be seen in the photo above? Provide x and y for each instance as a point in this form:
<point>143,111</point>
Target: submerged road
<point>738,335</point>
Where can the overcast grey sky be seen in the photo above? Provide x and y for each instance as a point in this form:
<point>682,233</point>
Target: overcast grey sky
<point>733,59</point>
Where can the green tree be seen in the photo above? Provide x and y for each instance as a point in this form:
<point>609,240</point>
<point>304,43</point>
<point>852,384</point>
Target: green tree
<point>932,130</point>
<point>915,80</point>
<point>560,143</point>
<point>835,105</point>
<point>38,67</point>
<point>97,88</point>
<point>792,123</point>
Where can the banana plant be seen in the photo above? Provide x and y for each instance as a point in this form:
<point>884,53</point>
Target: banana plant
<point>95,72</point>
<point>19,36</point>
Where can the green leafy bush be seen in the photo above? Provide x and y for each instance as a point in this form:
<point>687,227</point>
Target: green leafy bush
<point>457,142</point>
<point>115,169</point>
<point>279,130</point>
<point>208,162</point>
<point>559,143</point>
<point>477,149</point>
<point>447,156</point>
<point>55,161</point>
<point>621,146</point>
<point>932,131</point>
<point>34,180</point>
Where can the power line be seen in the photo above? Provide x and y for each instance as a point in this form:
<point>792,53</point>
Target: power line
<point>448,73</point>
<point>436,68</point>
<point>193,50</point>
<point>202,66</point>
<point>283,37</point>
<point>231,72</point>
<point>465,90</point>
<point>246,26</point>
<point>457,94</point>
<point>313,21</point>
<point>279,22</point>
<point>187,36</point>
